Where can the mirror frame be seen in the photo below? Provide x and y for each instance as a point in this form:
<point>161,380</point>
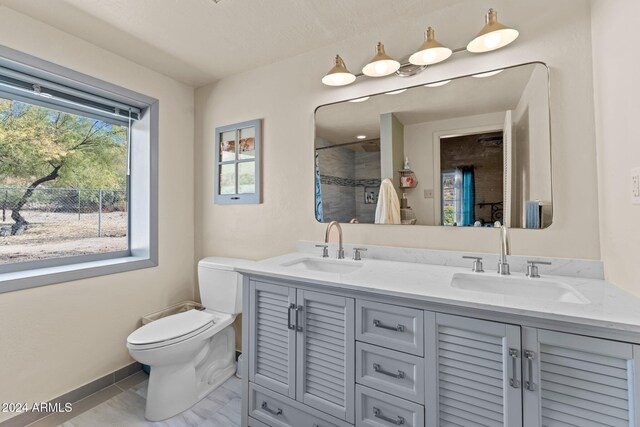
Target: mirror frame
<point>315,112</point>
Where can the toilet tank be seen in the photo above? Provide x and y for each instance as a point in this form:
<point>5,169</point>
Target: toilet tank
<point>220,286</point>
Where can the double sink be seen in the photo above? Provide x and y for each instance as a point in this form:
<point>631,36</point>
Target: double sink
<point>541,289</point>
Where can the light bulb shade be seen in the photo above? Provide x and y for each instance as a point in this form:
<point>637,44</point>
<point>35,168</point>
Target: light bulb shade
<point>431,51</point>
<point>381,64</point>
<point>493,35</point>
<point>338,75</point>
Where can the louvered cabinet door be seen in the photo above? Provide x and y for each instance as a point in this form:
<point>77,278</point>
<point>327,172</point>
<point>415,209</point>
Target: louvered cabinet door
<point>326,353</point>
<point>272,357</point>
<point>571,380</point>
<point>473,372</point>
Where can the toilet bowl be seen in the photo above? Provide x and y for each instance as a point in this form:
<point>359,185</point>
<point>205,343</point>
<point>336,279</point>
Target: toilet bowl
<point>190,353</point>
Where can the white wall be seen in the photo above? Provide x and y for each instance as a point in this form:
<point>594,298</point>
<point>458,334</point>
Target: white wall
<point>391,149</point>
<point>534,103</point>
<point>286,94</point>
<point>616,69</point>
<point>420,145</point>
<point>55,338</point>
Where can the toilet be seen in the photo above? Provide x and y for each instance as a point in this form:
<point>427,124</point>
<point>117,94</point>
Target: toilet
<point>193,352</point>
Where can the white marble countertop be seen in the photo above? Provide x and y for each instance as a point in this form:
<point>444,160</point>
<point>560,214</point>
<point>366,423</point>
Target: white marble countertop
<point>608,306</point>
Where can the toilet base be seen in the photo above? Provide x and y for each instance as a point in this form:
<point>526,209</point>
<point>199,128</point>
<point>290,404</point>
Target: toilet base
<point>175,388</point>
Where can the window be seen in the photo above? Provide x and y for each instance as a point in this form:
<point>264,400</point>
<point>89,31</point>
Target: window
<point>237,166</point>
<point>450,198</point>
<point>78,174</point>
<point>63,184</point>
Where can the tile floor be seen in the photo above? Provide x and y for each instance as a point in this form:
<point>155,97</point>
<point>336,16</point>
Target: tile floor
<point>123,405</point>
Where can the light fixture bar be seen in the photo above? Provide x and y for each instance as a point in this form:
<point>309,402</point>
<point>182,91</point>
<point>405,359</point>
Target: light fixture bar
<point>493,36</point>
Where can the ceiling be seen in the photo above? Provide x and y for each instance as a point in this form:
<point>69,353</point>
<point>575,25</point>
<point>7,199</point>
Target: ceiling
<point>341,123</point>
<point>201,41</point>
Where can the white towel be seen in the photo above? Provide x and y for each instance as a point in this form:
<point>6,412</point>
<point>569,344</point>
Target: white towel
<point>388,208</point>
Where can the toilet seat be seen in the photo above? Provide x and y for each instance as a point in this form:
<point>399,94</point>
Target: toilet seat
<point>171,329</point>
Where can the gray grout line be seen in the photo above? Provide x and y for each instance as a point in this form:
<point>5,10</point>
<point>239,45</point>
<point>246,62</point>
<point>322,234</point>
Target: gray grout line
<point>120,388</point>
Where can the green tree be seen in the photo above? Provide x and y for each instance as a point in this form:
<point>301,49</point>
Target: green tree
<point>43,146</point>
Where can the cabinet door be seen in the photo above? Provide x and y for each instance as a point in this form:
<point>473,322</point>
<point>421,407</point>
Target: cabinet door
<point>572,380</point>
<point>272,357</point>
<point>473,372</point>
<point>326,353</point>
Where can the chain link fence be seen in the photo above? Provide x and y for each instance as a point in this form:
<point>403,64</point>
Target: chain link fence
<point>68,213</point>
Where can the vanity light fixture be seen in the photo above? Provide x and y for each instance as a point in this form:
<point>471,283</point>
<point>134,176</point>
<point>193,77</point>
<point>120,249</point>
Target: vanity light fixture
<point>338,75</point>
<point>395,92</point>
<point>364,98</point>
<point>431,51</point>
<point>381,64</point>
<point>487,74</point>
<point>493,35</point>
<point>438,84</point>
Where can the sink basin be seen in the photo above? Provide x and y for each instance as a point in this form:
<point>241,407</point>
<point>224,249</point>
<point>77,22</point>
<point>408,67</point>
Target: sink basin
<point>325,265</point>
<point>541,289</point>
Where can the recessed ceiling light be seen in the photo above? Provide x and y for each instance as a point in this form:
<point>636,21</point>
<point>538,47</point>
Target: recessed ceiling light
<point>395,92</point>
<point>487,74</point>
<point>361,136</point>
<point>364,98</point>
<point>438,84</point>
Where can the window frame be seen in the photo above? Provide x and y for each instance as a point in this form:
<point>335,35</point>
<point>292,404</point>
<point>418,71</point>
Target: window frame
<point>239,198</point>
<point>142,185</point>
<point>456,200</point>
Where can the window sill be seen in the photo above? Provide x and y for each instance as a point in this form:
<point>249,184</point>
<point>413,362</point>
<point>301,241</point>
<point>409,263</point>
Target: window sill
<point>51,275</point>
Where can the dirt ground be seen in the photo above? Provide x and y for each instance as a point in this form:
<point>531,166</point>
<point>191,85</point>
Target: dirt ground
<point>54,235</point>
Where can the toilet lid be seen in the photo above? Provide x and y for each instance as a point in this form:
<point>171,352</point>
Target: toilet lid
<point>171,327</point>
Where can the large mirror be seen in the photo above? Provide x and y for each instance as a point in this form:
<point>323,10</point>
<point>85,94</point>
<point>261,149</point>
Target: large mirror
<point>470,151</point>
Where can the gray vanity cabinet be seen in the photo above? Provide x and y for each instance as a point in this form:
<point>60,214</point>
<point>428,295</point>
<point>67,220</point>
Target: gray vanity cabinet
<point>473,371</point>
<point>326,353</point>
<point>272,361</point>
<point>330,360</point>
<point>302,346</point>
<point>572,380</point>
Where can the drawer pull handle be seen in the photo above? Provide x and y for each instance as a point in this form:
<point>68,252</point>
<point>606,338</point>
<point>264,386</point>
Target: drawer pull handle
<point>378,414</point>
<point>378,368</point>
<point>529,384</point>
<point>514,354</point>
<point>269,410</point>
<point>379,324</point>
<point>290,325</point>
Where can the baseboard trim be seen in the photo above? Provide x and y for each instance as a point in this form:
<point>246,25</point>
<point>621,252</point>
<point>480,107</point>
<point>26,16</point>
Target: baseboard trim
<point>75,395</point>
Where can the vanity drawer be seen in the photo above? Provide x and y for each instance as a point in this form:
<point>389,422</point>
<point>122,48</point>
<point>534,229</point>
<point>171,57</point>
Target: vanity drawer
<point>391,326</point>
<point>390,371</point>
<point>377,409</point>
<point>277,410</point>
<point>255,423</point>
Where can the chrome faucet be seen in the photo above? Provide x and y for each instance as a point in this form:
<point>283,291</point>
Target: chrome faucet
<point>503,265</point>
<point>340,253</point>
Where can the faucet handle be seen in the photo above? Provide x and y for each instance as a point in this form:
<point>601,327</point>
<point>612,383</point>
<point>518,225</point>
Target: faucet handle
<point>532,268</point>
<point>325,250</point>
<point>356,253</point>
<point>477,264</point>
